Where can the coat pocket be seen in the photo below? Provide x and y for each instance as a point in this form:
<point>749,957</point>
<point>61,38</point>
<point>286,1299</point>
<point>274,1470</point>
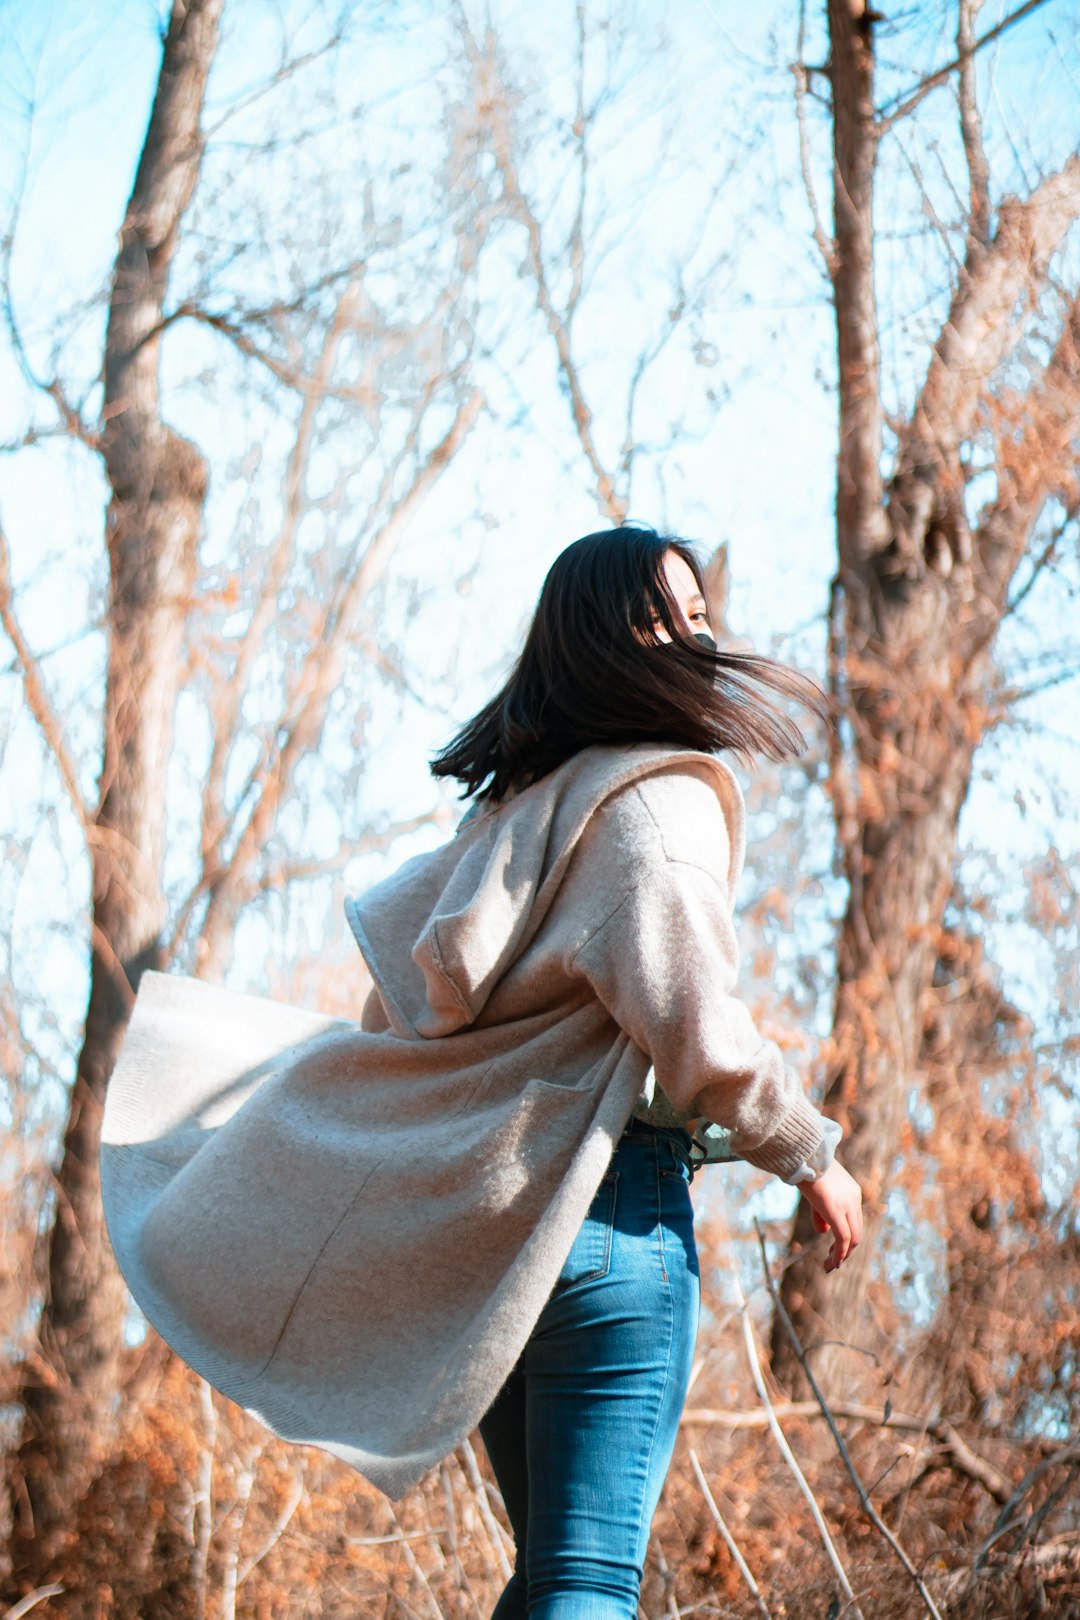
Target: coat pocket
<point>590,1253</point>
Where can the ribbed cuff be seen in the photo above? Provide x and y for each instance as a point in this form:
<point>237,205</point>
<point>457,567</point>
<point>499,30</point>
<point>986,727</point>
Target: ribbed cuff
<point>819,1162</point>
<point>794,1142</point>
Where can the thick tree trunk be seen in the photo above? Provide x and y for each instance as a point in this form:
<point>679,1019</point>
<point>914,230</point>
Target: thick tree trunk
<point>917,733</point>
<point>919,601</point>
<point>158,484</point>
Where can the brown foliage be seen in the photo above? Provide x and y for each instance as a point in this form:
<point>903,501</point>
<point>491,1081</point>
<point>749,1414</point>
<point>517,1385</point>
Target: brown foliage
<point>285,1532</point>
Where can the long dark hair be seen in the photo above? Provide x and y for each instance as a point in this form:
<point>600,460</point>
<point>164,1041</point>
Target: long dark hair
<point>593,670</point>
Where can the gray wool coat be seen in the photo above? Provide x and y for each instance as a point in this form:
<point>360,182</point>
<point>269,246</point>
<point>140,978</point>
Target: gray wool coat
<point>351,1228</point>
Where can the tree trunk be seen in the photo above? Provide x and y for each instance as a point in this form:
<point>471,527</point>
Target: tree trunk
<point>158,485</point>
<point>917,734</point>
<point>917,602</point>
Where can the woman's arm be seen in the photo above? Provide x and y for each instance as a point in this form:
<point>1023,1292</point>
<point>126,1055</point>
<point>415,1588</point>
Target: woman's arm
<point>664,963</point>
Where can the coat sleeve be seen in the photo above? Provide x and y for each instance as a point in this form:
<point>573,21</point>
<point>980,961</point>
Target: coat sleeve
<point>665,963</point>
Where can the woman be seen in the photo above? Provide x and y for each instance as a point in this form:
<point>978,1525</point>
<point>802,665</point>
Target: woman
<point>473,1207</point>
<point>581,1435</point>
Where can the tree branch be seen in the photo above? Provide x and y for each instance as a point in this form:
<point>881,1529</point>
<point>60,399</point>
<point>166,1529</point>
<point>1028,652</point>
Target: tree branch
<point>576,243</point>
<point>37,698</point>
<point>978,334</point>
<point>962,1456</point>
<point>861,527</point>
<point>491,96</point>
<point>900,106</point>
<point>1006,1519</point>
<point>1011,696</point>
<point>1035,464</point>
<point>283,873</point>
<point>753,1361</point>
<point>729,1540</point>
<point>284,71</point>
<point>31,1600</point>
<point>72,422</point>
<point>290,375</point>
<point>227,708</point>
<point>978,232</point>
<point>864,1498</point>
<point>279,1527</point>
<point>825,244</point>
<point>311,689</point>
<point>1042,561</point>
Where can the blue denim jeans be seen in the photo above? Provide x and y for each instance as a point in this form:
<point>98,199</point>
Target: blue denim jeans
<point>581,1434</point>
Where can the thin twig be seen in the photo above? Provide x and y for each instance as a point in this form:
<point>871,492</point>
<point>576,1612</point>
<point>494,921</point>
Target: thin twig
<point>900,106</point>
<point>671,1602</point>
<point>315,681</point>
<point>492,95</point>
<point>867,1506</point>
<point>729,1539</point>
<point>826,245</point>
<point>460,1574</point>
<point>281,74</point>
<point>278,1528</point>
<point>1012,695</point>
<point>788,1455</point>
<point>414,1565</point>
<point>576,242</point>
<point>1043,1511</point>
<point>401,1535</point>
<point>491,1524</point>
<point>965,1460</point>
<point>969,1462</point>
<point>37,698</point>
<point>31,1600</point>
<point>203,1514</point>
<point>1007,1519</point>
<point>290,376</point>
<point>1043,560</point>
<point>245,1481</point>
<point>228,707</point>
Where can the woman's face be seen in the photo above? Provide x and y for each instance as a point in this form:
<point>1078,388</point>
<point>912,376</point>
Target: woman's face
<point>690,605</point>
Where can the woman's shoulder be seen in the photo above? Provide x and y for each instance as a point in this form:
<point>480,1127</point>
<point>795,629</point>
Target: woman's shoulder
<point>688,808</point>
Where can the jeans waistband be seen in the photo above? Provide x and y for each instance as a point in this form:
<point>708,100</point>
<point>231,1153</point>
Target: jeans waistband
<point>681,1141</point>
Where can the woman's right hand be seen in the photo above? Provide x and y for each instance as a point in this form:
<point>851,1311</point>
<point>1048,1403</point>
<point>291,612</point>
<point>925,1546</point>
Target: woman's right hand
<point>836,1201</point>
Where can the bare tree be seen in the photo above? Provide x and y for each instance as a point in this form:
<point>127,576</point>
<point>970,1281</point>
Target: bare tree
<point>334,358</point>
<point>157,481</point>
<point>922,586</point>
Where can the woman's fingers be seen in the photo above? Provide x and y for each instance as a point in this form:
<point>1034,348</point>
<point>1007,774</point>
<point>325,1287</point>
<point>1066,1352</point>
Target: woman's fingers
<point>841,1244</point>
<point>836,1202</point>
